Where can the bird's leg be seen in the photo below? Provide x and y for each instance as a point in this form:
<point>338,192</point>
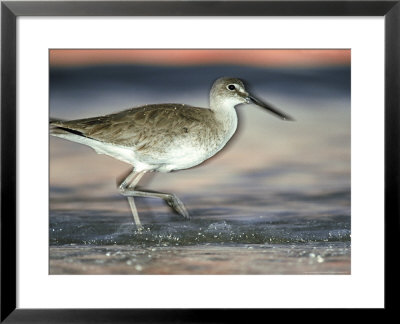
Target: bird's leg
<point>171,199</point>
<point>127,189</point>
<point>135,213</point>
<point>131,181</point>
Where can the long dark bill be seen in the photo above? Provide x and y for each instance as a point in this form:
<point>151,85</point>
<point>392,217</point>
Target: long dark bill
<point>271,109</point>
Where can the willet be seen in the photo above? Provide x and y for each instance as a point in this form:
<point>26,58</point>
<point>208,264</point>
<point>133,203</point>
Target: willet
<point>163,137</point>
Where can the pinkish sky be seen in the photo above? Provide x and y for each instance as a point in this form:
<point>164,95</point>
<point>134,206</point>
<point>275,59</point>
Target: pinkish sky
<point>73,57</point>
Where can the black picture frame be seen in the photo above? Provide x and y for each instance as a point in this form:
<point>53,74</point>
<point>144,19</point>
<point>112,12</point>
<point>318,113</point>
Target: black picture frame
<point>10,10</point>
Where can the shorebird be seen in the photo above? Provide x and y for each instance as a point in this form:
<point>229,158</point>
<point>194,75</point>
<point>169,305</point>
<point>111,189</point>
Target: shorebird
<point>163,137</point>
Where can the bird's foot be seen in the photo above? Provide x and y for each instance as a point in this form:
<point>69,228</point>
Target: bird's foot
<point>177,205</point>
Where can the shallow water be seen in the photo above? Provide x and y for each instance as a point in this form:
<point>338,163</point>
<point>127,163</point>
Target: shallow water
<point>238,235</point>
<point>276,200</point>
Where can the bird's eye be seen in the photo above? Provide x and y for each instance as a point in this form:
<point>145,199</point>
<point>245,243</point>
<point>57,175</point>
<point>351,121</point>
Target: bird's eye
<point>231,87</point>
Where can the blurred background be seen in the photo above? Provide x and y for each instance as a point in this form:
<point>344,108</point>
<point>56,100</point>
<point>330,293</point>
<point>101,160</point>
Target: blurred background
<point>275,182</point>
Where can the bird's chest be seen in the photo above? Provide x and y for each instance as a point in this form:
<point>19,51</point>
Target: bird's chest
<point>226,124</point>
<point>204,141</point>
<point>198,142</point>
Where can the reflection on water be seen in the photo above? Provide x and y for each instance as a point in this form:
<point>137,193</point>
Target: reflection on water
<point>275,200</point>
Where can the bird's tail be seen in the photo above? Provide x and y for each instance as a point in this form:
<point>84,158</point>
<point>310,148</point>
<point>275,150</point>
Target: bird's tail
<point>54,120</point>
<point>58,128</point>
<point>55,127</point>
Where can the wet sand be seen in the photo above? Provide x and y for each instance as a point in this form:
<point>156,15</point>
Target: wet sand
<point>207,259</point>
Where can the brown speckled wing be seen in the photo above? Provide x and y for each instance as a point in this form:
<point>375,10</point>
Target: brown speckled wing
<point>141,127</point>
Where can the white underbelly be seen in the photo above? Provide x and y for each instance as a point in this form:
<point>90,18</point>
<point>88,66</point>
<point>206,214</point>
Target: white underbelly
<point>118,152</point>
<point>182,159</point>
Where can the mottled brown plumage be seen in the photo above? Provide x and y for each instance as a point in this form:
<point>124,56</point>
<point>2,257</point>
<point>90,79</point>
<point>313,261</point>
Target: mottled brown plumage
<point>147,127</point>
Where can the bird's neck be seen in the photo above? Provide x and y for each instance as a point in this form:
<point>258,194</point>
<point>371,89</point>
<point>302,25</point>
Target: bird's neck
<point>225,114</point>
<point>222,104</point>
